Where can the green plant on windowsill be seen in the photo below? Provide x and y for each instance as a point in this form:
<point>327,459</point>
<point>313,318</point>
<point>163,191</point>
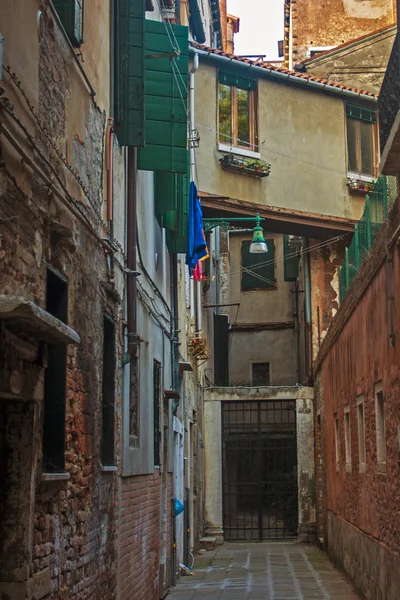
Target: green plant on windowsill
<point>249,166</point>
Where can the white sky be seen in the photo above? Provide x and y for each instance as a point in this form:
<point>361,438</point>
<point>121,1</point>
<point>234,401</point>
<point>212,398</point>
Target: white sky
<point>261,26</point>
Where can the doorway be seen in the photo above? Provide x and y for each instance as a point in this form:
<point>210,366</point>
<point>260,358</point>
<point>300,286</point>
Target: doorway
<point>260,497</point>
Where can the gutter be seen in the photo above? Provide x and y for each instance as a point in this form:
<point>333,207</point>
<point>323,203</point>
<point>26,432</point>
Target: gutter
<point>265,72</point>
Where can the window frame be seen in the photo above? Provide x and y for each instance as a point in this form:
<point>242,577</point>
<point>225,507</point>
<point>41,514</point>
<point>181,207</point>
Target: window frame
<point>362,455</point>
<point>274,285</point>
<point>67,13</point>
<point>253,146</point>
<point>257,362</point>
<point>347,437</point>
<point>358,173</point>
<point>380,427</point>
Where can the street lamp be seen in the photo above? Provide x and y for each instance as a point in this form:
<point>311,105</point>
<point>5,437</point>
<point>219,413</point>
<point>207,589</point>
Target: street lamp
<point>258,244</point>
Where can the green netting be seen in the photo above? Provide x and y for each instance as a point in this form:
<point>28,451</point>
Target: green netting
<point>376,210</point>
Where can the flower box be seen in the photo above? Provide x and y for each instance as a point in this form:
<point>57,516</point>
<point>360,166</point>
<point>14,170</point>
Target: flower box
<point>252,167</point>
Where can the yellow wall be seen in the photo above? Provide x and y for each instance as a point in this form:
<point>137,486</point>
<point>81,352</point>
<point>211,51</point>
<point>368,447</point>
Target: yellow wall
<point>302,136</point>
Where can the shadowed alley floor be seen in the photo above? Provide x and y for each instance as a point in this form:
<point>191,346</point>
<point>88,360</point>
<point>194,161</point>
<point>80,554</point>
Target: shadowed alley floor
<point>269,571</point>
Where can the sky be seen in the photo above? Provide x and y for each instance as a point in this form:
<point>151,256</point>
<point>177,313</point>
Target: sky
<point>261,26</point>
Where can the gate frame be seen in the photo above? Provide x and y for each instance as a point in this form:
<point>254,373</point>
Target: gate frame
<point>304,397</point>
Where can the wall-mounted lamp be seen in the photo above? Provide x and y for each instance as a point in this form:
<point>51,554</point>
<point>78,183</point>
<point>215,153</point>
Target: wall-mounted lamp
<point>258,244</point>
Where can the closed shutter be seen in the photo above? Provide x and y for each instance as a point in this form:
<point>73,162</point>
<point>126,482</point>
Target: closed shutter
<point>70,13</point>
<point>165,99</point>
<point>129,72</point>
<point>291,260</point>
<point>258,270</point>
<point>221,350</point>
<point>172,206</point>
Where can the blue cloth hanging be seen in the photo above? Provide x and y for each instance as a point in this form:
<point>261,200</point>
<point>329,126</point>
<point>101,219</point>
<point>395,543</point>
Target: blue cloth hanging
<point>197,247</point>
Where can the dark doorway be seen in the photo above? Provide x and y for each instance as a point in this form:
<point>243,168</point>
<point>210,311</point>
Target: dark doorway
<point>259,470</point>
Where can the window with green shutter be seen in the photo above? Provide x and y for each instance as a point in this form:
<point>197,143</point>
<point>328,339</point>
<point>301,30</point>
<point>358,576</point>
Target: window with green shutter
<point>171,207</point>
<point>129,53</point>
<point>258,270</point>
<point>71,16</point>
<point>166,85</point>
<point>291,259</point>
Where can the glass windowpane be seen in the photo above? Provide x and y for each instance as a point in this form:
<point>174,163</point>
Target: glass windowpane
<point>367,148</point>
<point>225,111</point>
<point>243,117</point>
<point>352,125</point>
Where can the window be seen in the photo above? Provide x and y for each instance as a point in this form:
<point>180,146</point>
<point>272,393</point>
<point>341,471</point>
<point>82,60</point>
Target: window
<point>336,430</point>
<point>380,427</point>
<point>108,389</point>
<point>258,270</point>
<point>361,432</point>
<point>156,415</point>
<point>71,17</point>
<point>237,111</point>
<point>347,437</point>
<point>260,374</point>
<point>291,257</point>
<point>55,379</point>
<point>361,140</point>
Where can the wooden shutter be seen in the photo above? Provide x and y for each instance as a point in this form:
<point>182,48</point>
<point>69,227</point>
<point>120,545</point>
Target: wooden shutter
<point>291,260</point>
<point>258,270</point>
<point>221,350</point>
<point>129,72</point>
<point>172,206</point>
<point>165,99</point>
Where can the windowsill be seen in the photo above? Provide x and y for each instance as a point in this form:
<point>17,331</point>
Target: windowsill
<point>381,467</point>
<point>359,177</point>
<point>260,289</point>
<point>362,468</point>
<point>238,151</point>
<point>55,476</point>
<point>109,469</point>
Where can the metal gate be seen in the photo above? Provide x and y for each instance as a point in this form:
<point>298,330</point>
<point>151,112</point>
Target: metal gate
<point>259,470</point>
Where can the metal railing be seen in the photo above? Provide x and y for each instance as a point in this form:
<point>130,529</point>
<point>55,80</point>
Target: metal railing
<point>376,210</point>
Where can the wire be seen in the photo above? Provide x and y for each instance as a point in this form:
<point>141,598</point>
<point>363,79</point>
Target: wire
<point>289,256</point>
<point>291,157</point>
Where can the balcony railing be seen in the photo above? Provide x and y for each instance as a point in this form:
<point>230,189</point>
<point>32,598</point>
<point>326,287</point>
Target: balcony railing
<point>389,97</point>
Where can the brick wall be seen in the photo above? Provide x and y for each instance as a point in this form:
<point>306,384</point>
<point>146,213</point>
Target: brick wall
<point>362,502</point>
<point>139,536</point>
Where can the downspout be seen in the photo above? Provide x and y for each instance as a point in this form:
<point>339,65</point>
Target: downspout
<point>197,286</point>
<point>217,279</point>
<point>110,189</point>
<point>175,323</point>
<point>131,256</point>
<point>307,310</point>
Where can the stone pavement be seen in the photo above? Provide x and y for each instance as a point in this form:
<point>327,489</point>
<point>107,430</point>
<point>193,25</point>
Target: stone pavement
<point>268,571</point>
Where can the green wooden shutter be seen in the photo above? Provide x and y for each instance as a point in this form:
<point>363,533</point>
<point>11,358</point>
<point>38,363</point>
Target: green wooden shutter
<point>221,350</point>
<point>165,99</point>
<point>129,72</point>
<point>258,270</point>
<point>172,206</point>
<point>291,260</point>
<point>70,13</point>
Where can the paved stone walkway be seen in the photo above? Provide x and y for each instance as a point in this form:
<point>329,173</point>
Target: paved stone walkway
<point>274,571</point>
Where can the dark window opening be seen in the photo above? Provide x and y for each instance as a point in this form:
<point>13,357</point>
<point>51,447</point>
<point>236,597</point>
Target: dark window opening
<point>260,374</point>
<point>71,13</point>
<point>258,270</point>
<point>156,415</point>
<point>361,140</point>
<point>55,379</point>
<point>107,438</point>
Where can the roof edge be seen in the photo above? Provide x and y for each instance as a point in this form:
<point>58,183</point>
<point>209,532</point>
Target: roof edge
<point>284,75</point>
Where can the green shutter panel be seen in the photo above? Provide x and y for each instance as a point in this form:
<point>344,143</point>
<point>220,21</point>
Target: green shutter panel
<point>71,17</point>
<point>129,72</point>
<point>165,99</point>
<point>221,350</point>
<point>172,206</point>
<point>258,270</point>
<point>291,260</point>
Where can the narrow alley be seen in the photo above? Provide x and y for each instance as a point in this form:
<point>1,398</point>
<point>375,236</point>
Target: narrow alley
<point>269,571</point>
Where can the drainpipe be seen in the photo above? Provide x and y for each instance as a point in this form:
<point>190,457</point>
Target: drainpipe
<point>131,254</point>
<point>217,279</point>
<point>197,287</point>
<point>307,310</point>
<point>110,189</point>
